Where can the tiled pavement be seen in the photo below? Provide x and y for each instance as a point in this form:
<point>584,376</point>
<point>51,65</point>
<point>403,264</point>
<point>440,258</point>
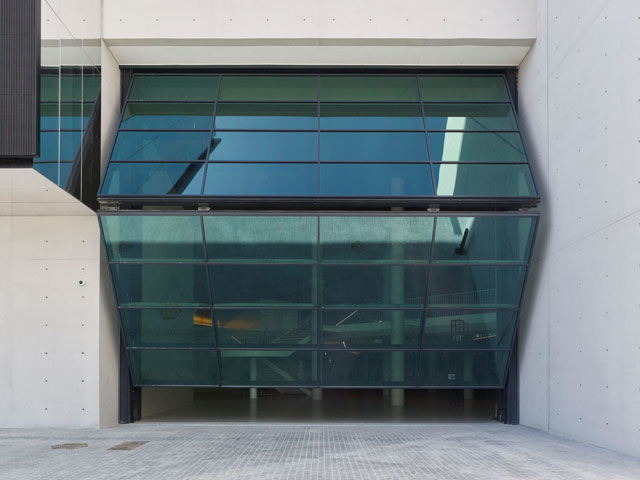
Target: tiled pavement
<point>480,451</point>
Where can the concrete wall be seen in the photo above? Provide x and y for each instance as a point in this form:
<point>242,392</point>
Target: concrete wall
<point>580,109</point>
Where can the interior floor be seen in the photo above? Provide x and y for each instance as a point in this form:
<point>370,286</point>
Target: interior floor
<point>336,406</point>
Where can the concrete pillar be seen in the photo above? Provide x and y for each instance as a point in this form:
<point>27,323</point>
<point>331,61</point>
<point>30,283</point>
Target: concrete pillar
<point>397,397</point>
<point>316,394</point>
<point>253,375</point>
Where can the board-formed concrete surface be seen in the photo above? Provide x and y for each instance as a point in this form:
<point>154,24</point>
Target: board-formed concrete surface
<point>488,451</point>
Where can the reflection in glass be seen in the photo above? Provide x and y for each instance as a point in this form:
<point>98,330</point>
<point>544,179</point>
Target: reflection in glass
<point>469,116</point>
<point>174,87</point>
<point>463,369</point>
<point>267,367</point>
<point>67,116</point>
<point>481,180</point>
<point>174,367</point>
<point>156,146</point>
<point>363,116</point>
<point>373,147</point>
<point>167,116</point>
<point>167,328</point>
<point>262,179</point>
<point>469,328</point>
<point>264,146</point>
<point>463,89</point>
<point>369,368</point>
<point>368,88</point>
<point>61,146</point>
<point>153,179</point>
<point>267,116</point>
<point>476,147</point>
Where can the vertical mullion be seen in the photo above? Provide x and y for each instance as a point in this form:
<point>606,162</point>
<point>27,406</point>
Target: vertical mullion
<point>213,323</point>
<point>426,135</point>
<point>318,139</point>
<point>213,122</point>
<point>426,301</point>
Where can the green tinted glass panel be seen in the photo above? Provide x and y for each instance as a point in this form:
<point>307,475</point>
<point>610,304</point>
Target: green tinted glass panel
<point>157,146</point>
<point>371,328</point>
<point>469,328</point>
<point>368,89</point>
<point>58,173</point>
<point>291,88</point>
<point>470,116</point>
<point>264,146</point>
<point>160,285</point>
<point>362,116</point>
<point>153,179</point>
<point>463,369</point>
<point>90,87</point>
<point>374,286</point>
<point>267,367</point>
<point>375,180</point>
<point>266,328</point>
<point>174,367</point>
<point>368,368</point>
<point>167,328</point>
<point>71,88</point>
<point>488,239</point>
<point>476,147</point>
<point>496,180</point>
<point>262,179</point>
<point>153,238</point>
<point>373,147</point>
<point>167,116</point>
<point>66,116</point>
<point>49,88</point>
<point>267,116</point>
<point>249,285</point>
<point>478,285</point>
<point>261,238</point>
<point>463,89</point>
<point>174,87</point>
<point>375,239</point>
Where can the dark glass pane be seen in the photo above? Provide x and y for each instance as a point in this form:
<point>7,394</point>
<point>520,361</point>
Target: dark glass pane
<point>167,328</point>
<point>476,147</point>
<point>251,87</point>
<point>153,179</point>
<point>362,116</point>
<point>375,180</point>
<point>71,88</point>
<point>72,116</point>
<point>463,89</point>
<point>264,146</point>
<point>496,180</point>
<point>153,238</point>
<point>157,146</point>
<point>58,173</point>
<point>262,238</point>
<point>174,367</point>
<point>469,328</point>
<point>267,367</point>
<point>167,116</point>
<point>67,149</point>
<point>478,285</point>
<point>160,285</point>
<point>174,87</point>
<point>369,368</point>
<point>488,239</point>
<point>373,147</point>
<point>49,88</point>
<point>262,179</point>
<point>90,87</point>
<point>266,328</point>
<point>369,89</point>
<point>375,239</point>
<point>463,369</point>
<point>469,116</point>
<point>371,328</point>
<point>267,116</point>
<point>256,285</point>
<point>374,286</point>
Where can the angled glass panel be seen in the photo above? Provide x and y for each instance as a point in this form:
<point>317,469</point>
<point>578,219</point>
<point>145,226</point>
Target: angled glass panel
<point>153,179</point>
<point>264,146</point>
<point>375,239</point>
<point>469,329</point>
<point>158,146</point>
<point>263,285</point>
<point>373,285</point>
<point>267,367</point>
<point>463,369</point>
<point>174,367</point>
<point>142,238</point>
<point>167,116</point>
<point>263,238</point>
<point>267,116</point>
<point>262,179</point>
<point>478,285</point>
<point>58,173</point>
<point>174,87</point>
<point>363,116</point>
<point>167,328</point>
<point>269,87</point>
<point>59,146</point>
<point>266,328</point>
<point>368,89</point>
<point>375,180</point>
<point>481,180</point>
<point>470,116</point>
<point>369,368</point>
<point>371,328</point>
<point>373,147</point>
<point>149,285</point>
<point>476,147</point>
<point>483,239</point>
<point>463,89</point>
<point>72,116</point>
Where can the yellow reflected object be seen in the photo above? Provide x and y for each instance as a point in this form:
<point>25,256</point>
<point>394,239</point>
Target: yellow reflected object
<point>202,318</point>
